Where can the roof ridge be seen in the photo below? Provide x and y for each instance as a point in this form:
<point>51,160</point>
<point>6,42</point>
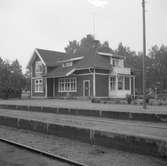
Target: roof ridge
<point>50,50</point>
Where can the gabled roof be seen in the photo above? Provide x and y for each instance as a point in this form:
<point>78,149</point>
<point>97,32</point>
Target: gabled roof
<point>89,61</point>
<point>85,59</point>
<point>71,59</point>
<point>59,71</point>
<point>51,57</point>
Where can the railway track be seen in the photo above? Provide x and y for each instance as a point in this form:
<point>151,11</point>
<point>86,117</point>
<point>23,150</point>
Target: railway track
<point>43,153</point>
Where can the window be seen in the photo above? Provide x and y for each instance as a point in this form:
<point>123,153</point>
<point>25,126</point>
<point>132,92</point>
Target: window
<point>115,62</point>
<point>112,83</point>
<point>67,85</point>
<point>39,85</point>
<point>120,82</point>
<point>67,64</point>
<point>127,81</point>
<point>38,67</point>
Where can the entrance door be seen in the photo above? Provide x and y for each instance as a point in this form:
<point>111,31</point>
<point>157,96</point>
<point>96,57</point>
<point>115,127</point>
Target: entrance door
<point>86,88</point>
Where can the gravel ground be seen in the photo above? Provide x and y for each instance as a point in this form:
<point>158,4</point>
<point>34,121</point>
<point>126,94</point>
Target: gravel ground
<point>91,155</point>
<point>12,156</point>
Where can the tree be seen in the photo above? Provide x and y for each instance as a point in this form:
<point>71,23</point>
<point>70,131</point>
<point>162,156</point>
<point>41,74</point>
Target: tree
<point>11,79</point>
<point>72,47</point>
<point>158,66</point>
<point>17,79</point>
<point>86,45</point>
<point>27,76</point>
<point>104,47</point>
<point>156,60</point>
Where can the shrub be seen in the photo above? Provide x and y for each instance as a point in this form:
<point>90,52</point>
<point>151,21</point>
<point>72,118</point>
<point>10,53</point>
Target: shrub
<point>6,93</point>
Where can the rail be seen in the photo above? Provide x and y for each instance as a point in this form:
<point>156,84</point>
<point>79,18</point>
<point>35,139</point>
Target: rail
<point>47,154</point>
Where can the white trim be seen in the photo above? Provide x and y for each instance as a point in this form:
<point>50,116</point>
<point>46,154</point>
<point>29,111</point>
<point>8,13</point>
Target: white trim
<point>109,87</point>
<point>102,74</point>
<point>31,88</point>
<point>92,74</point>
<point>32,59</point>
<point>68,75</point>
<point>84,87</point>
<point>75,74</point>
<point>67,64</point>
<point>130,86</point>
<point>134,93</point>
<point>94,83</point>
<point>38,83</point>
<point>70,72</point>
<point>72,59</point>
<point>105,54</point>
<point>123,82</point>
<point>84,74</point>
<point>116,82</point>
<point>110,55</point>
<point>36,51</point>
<point>37,63</point>
<point>65,83</point>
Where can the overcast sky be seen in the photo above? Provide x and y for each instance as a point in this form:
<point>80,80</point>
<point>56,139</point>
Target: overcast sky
<point>50,24</point>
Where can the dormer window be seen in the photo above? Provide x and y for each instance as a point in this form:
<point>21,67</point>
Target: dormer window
<point>38,67</point>
<point>116,62</point>
<point>67,64</point>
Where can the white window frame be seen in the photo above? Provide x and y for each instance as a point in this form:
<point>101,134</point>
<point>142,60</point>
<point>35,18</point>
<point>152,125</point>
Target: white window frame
<point>38,63</point>
<point>113,83</point>
<point>67,64</point>
<point>84,81</point>
<point>115,62</point>
<point>121,81</point>
<point>67,84</point>
<point>38,85</point>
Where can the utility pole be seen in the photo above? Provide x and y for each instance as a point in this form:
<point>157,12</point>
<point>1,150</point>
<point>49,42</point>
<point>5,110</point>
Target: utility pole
<point>144,54</point>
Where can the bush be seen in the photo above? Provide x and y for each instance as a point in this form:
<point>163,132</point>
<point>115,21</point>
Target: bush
<point>3,94</point>
<point>6,93</point>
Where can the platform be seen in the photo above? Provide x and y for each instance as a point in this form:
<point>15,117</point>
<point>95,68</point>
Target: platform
<point>141,137</point>
<point>86,108</point>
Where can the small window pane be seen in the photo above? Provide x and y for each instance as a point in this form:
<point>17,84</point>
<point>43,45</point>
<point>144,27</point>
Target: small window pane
<point>120,82</point>
<point>112,83</point>
<point>127,86</point>
<point>67,85</point>
<point>39,85</point>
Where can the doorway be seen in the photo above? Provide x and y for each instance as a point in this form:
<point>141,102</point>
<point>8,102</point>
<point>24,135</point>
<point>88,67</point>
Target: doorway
<point>86,88</point>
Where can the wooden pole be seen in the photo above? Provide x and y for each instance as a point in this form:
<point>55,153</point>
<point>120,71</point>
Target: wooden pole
<point>144,54</point>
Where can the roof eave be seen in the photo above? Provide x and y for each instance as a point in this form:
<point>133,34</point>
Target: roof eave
<point>71,59</point>
<point>33,58</point>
